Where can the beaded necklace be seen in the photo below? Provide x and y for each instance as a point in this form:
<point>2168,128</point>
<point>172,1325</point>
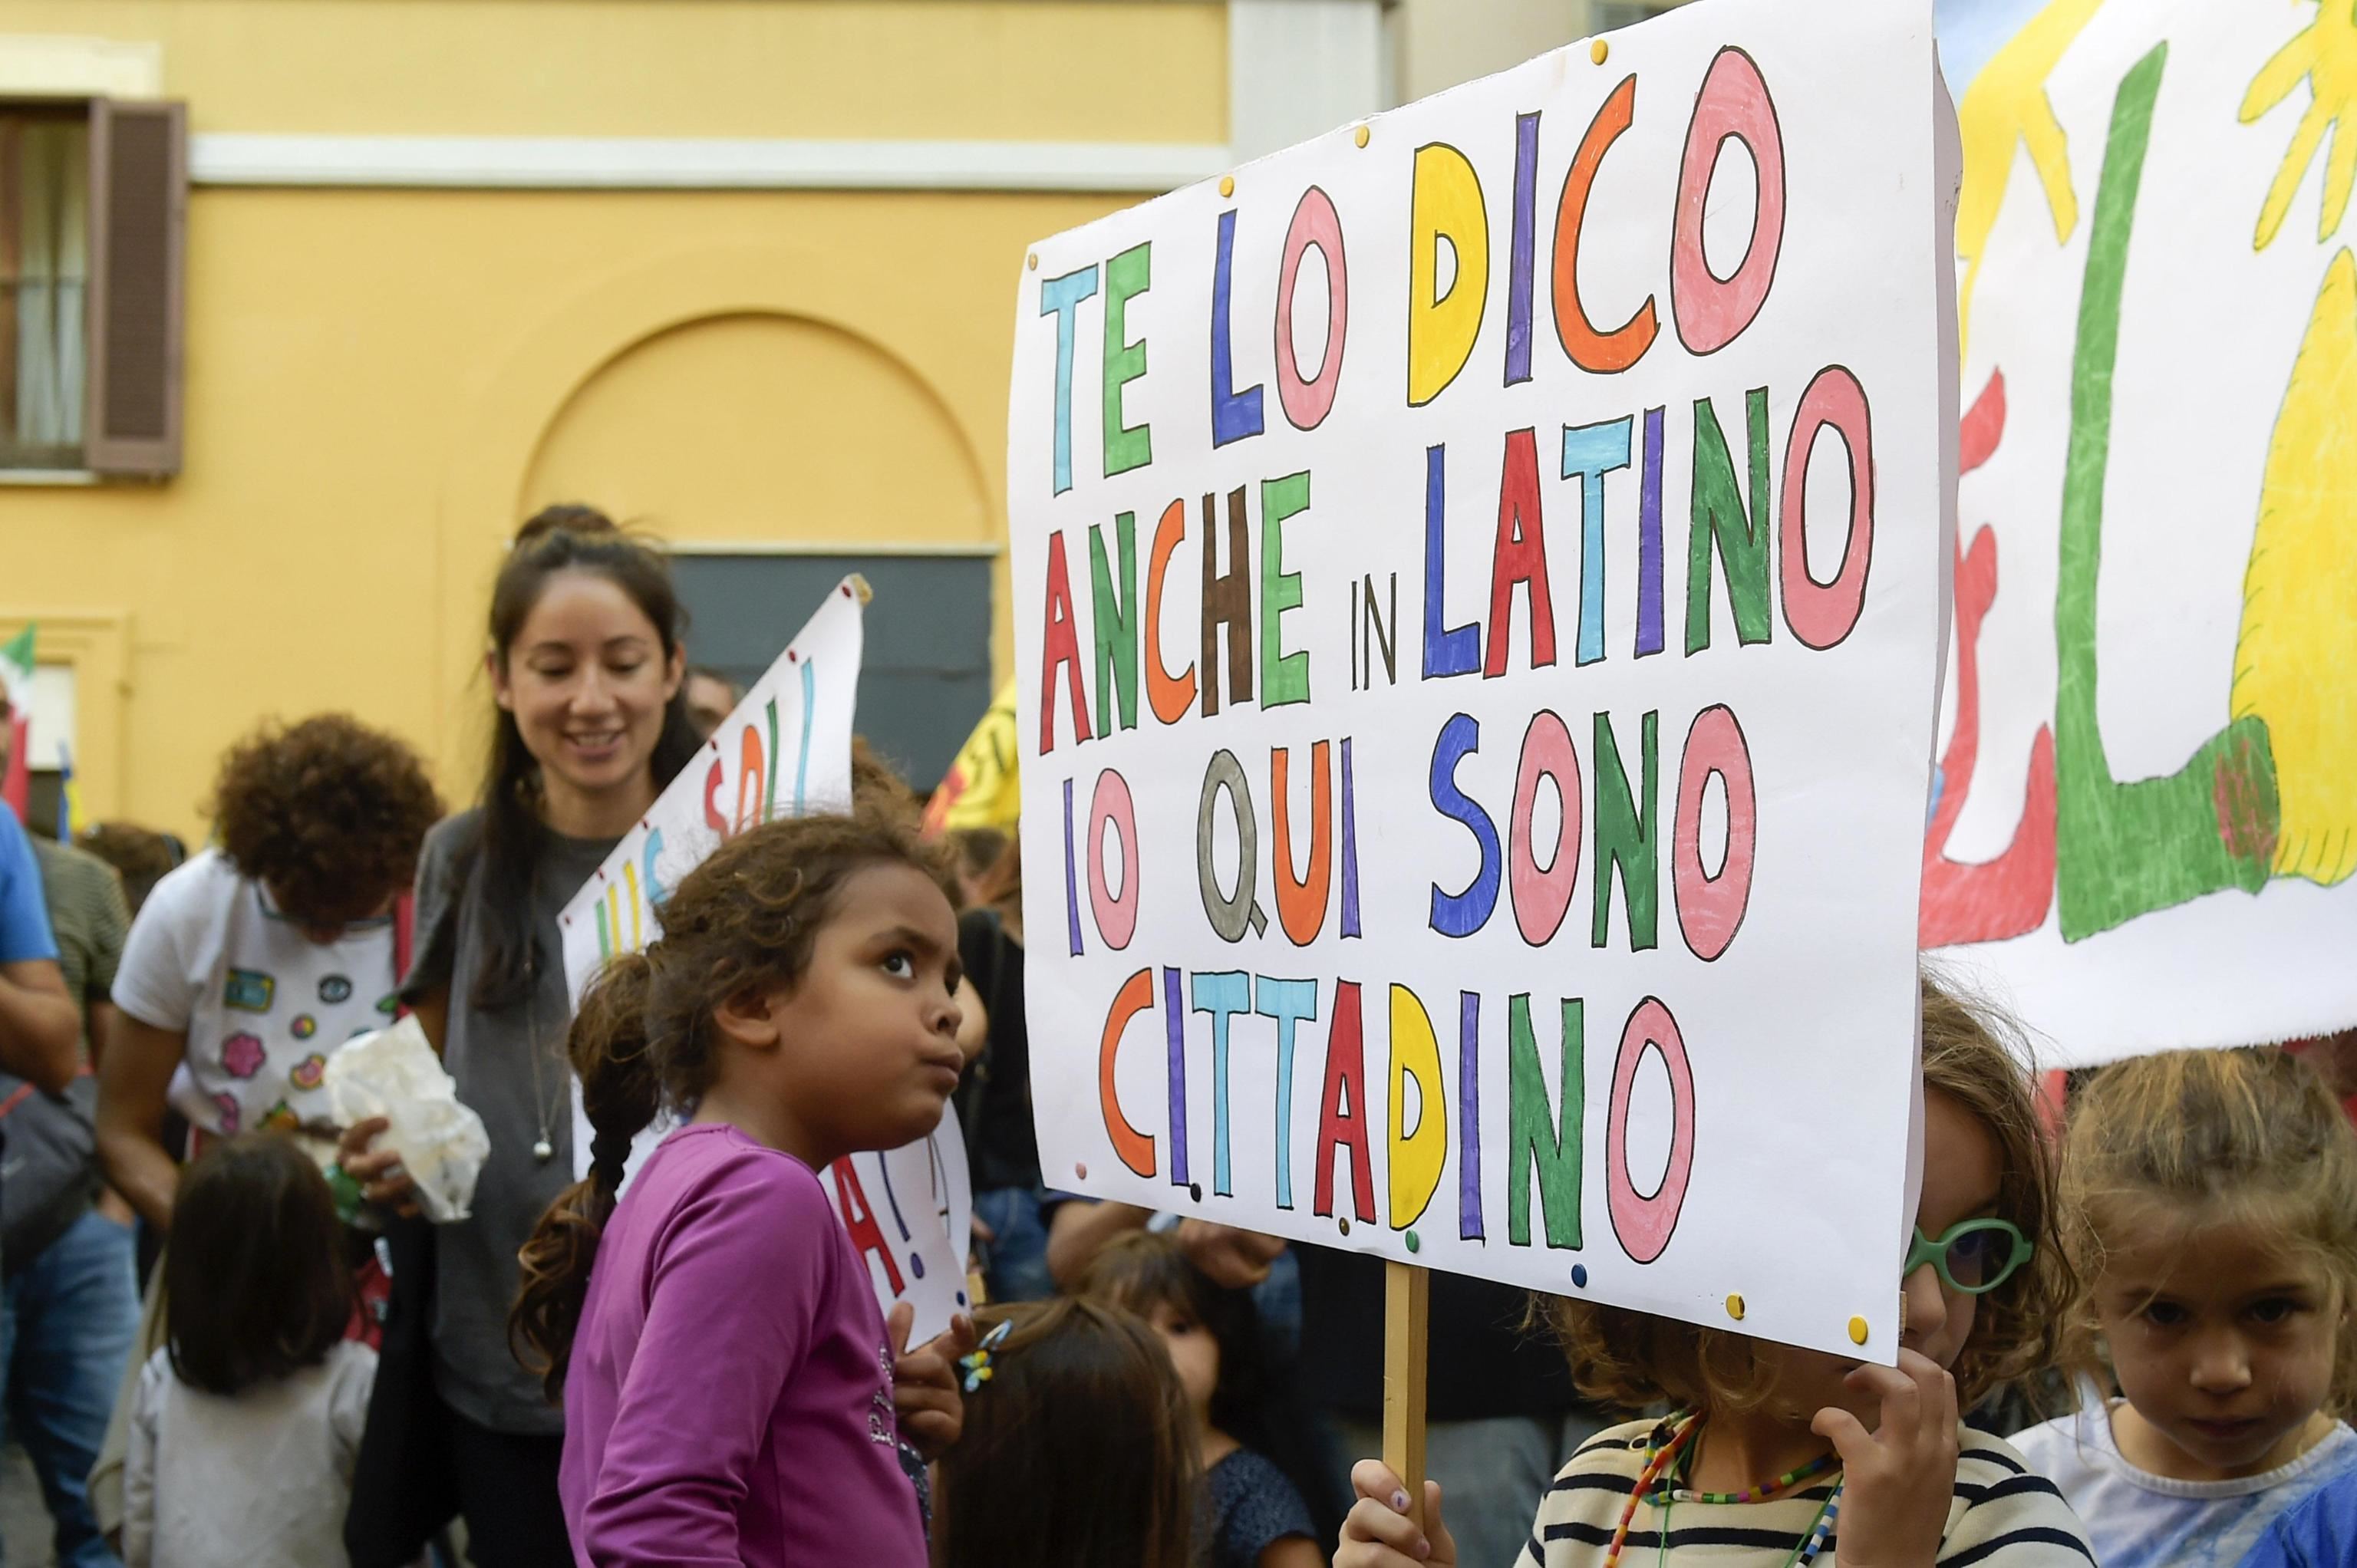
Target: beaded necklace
<point>1791,1477</point>
<point>1656,1461</point>
<point>1651,1487</point>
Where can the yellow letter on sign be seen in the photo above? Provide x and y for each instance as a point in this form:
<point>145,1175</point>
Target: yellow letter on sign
<point>1441,326</point>
<point>1416,1157</point>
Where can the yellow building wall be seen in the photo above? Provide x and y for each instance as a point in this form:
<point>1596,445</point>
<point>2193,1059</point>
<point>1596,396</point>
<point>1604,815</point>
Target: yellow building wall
<point>1116,71</point>
<point>757,426</point>
<point>381,382</point>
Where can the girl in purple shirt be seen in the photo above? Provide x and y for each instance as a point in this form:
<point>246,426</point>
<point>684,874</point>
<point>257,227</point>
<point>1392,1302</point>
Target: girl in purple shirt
<point>727,1378</point>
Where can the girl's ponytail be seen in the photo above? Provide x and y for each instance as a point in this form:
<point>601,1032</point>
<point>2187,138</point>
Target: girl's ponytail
<point>619,1093</point>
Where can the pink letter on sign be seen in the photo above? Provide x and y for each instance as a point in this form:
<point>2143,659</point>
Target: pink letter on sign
<point>1542,893</point>
<point>1112,806</point>
<point>1710,908</point>
<point>1643,1223</point>
<point>1315,222</point>
<point>1822,614</point>
<point>1733,105</point>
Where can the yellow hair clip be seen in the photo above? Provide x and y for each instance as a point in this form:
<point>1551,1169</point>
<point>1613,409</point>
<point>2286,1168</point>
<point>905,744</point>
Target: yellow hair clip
<point>977,1362</point>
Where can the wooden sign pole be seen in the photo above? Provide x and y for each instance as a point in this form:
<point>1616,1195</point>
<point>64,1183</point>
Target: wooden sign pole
<point>1407,1295</point>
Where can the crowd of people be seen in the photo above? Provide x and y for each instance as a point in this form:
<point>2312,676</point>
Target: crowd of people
<point>230,1337</point>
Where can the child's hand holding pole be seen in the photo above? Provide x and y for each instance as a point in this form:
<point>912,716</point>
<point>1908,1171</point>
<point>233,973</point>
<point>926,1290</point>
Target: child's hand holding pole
<point>1378,1532</point>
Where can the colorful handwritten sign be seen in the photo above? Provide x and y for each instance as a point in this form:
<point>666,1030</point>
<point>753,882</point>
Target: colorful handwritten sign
<point>785,750</point>
<point>1478,603</point>
<point>2147,812</point>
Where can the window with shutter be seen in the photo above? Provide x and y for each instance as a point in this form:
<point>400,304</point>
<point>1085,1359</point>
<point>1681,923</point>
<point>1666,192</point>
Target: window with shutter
<point>44,281</point>
<point>93,203</point>
<point>138,243</point>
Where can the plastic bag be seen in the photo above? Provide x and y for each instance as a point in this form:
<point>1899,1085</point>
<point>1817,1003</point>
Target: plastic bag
<point>393,1073</point>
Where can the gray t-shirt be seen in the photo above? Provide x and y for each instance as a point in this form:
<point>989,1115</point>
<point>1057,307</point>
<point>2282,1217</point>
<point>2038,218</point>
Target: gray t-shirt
<point>492,1055</point>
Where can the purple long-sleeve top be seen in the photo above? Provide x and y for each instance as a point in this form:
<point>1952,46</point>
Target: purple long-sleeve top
<point>731,1396</point>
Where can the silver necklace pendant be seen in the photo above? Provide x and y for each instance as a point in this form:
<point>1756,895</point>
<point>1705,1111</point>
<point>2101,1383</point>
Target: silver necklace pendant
<point>544,1151</point>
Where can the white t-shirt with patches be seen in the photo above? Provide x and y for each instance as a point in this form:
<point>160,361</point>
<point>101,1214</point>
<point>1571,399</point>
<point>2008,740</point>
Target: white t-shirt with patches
<point>261,1003</point>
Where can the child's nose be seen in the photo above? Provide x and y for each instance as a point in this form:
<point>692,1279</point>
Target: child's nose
<point>1926,1304</point>
<point>2221,1364</point>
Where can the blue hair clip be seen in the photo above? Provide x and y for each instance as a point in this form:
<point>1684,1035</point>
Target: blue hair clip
<point>977,1363</point>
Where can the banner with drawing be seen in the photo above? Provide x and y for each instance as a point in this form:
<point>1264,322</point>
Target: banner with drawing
<point>2147,817</point>
<point>1478,595</point>
<point>785,750</point>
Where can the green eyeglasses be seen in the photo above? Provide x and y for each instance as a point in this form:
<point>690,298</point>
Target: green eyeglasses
<point>1975,1257</point>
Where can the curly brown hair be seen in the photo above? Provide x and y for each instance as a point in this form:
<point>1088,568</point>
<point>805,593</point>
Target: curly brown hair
<point>328,814</point>
<point>1635,1360</point>
<point>747,919</point>
<point>2166,1145</point>
<point>875,782</point>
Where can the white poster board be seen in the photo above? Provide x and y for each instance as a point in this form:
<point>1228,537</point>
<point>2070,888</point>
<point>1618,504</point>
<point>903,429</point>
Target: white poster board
<point>1478,597</point>
<point>2148,807</point>
<point>785,749</point>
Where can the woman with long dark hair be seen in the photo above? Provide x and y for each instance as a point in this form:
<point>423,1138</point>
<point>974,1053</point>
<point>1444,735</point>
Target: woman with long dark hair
<point>585,662</point>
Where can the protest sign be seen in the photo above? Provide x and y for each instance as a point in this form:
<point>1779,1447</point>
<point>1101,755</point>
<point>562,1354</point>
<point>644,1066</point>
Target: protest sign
<point>785,750</point>
<point>982,788</point>
<point>2147,816</point>
<point>1477,596</point>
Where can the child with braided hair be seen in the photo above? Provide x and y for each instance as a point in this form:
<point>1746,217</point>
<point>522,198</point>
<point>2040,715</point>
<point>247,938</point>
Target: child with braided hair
<point>727,1382</point>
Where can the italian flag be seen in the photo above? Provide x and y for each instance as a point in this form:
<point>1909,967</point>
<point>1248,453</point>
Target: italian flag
<point>17,680</point>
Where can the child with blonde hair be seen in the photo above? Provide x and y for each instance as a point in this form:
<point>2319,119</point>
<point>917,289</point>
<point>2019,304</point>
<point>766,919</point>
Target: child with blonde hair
<point>2215,1194</point>
<point>1787,1459</point>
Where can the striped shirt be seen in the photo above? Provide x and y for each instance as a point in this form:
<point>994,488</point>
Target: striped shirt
<point>2004,1515</point>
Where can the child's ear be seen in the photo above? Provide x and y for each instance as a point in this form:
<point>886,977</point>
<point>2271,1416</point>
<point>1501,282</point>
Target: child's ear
<point>750,1018</point>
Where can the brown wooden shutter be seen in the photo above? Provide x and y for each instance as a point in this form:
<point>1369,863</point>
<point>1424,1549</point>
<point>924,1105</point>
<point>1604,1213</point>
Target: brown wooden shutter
<point>138,244</point>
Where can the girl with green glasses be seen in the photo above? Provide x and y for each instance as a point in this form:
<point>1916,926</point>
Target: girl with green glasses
<point>1778,1458</point>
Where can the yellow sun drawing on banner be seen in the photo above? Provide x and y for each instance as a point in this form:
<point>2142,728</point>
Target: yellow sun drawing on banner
<point>2325,56</point>
<point>2006,107</point>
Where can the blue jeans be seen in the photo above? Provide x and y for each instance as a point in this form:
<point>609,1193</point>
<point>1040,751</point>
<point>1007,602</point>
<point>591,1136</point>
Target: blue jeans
<point>67,1325</point>
<point>1015,1268</point>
